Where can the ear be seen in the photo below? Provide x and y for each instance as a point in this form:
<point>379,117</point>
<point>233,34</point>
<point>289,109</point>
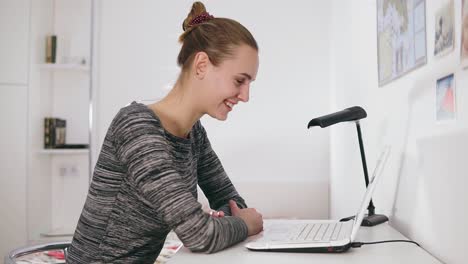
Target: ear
<point>201,63</point>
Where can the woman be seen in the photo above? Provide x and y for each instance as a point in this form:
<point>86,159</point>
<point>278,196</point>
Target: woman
<point>153,157</point>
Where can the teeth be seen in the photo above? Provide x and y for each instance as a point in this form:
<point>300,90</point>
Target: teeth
<point>229,104</point>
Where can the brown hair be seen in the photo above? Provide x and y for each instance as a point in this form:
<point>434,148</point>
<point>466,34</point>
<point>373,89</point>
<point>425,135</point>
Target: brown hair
<point>217,37</point>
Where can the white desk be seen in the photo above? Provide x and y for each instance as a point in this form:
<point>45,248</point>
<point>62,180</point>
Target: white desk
<point>390,253</point>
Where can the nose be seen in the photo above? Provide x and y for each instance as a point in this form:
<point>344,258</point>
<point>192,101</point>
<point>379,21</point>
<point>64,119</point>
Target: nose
<point>244,94</point>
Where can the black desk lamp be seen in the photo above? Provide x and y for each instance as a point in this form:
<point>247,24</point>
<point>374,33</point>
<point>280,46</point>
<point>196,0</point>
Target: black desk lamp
<point>354,113</point>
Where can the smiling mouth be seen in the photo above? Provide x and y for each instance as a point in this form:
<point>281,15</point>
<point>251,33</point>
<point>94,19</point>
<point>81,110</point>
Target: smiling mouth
<point>229,104</point>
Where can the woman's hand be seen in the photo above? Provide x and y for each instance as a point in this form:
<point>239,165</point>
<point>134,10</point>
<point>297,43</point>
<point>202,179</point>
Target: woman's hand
<point>216,214</point>
<point>251,217</point>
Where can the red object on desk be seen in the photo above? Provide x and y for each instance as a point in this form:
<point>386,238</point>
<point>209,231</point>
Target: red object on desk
<point>58,254</point>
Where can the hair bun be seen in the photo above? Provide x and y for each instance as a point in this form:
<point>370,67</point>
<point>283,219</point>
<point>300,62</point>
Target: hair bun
<point>197,15</point>
<point>203,17</point>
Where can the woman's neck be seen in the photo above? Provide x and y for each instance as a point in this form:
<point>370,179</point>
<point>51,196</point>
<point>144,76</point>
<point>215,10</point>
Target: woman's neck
<point>177,111</point>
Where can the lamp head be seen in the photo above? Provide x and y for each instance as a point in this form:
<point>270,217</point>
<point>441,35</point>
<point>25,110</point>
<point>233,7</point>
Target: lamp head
<point>349,114</point>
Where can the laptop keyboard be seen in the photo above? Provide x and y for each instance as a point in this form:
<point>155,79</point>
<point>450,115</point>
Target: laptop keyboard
<point>316,232</point>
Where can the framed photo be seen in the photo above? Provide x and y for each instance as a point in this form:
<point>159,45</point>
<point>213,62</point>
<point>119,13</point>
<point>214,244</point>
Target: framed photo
<point>401,37</point>
<point>445,99</point>
<point>444,29</point>
<point>464,36</point>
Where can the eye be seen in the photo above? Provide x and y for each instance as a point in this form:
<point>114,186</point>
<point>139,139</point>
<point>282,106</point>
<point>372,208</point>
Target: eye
<point>239,82</point>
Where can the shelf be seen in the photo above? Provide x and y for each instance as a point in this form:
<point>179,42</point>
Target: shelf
<point>64,151</point>
<point>63,66</point>
<point>59,232</point>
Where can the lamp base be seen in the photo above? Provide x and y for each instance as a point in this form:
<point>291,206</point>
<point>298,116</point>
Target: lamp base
<point>373,220</point>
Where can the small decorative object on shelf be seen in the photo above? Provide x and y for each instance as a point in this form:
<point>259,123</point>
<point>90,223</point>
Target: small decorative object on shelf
<point>51,49</point>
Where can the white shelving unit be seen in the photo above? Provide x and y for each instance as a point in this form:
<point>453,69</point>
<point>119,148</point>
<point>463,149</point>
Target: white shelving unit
<point>59,232</point>
<point>58,178</point>
<point>64,66</point>
<point>68,94</point>
<point>63,151</point>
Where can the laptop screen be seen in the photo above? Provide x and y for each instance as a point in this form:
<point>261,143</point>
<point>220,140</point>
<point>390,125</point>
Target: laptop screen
<point>370,189</point>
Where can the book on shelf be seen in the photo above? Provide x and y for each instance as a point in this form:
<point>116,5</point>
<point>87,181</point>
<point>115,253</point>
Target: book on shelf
<point>54,132</point>
<point>51,49</point>
<point>55,135</point>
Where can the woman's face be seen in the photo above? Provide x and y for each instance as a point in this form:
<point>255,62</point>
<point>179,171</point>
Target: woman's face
<point>229,82</point>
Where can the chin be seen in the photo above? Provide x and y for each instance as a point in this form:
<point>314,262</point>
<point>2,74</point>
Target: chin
<point>219,116</point>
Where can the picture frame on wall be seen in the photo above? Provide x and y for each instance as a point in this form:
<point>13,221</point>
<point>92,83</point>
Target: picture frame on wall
<point>444,29</point>
<point>446,99</point>
<point>464,35</point>
<point>401,38</point>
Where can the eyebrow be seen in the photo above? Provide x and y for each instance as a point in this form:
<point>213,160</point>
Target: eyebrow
<point>247,76</point>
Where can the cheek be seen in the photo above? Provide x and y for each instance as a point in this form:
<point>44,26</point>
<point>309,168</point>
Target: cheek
<point>221,87</point>
<point>224,90</point>
<point>212,91</point>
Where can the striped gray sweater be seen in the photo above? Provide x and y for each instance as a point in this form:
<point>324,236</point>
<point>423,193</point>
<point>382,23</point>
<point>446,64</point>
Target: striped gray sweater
<point>144,185</point>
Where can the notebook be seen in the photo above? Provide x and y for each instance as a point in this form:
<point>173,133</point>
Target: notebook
<point>316,235</point>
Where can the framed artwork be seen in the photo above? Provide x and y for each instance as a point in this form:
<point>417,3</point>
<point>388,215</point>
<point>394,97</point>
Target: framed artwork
<point>445,99</point>
<point>464,36</point>
<point>444,29</point>
<point>401,37</point>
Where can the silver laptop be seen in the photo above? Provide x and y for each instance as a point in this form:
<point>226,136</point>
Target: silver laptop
<point>316,235</point>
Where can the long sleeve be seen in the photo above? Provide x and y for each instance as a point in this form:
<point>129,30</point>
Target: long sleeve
<point>213,179</point>
<point>153,172</point>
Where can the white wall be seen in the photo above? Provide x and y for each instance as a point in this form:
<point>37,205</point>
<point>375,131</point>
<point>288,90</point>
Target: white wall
<point>39,105</point>
<point>14,26</point>
<point>423,187</point>
<point>14,43</point>
<point>263,141</point>
<point>12,168</point>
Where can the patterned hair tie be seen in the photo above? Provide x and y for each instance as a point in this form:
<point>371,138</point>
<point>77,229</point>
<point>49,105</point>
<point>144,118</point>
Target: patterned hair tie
<point>201,18</point>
